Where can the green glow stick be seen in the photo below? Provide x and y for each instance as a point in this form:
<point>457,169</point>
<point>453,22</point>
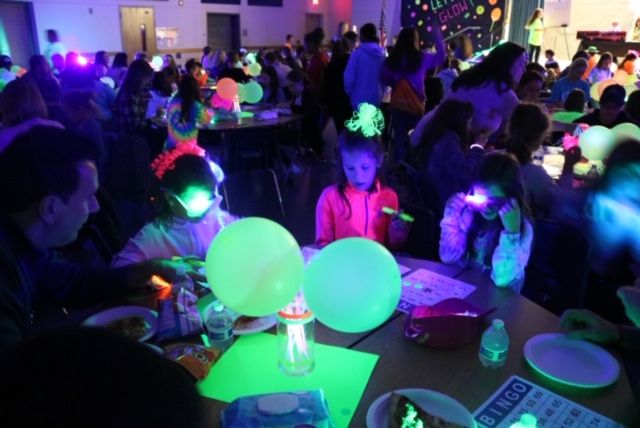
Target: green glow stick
<point>205,340</point>
<point>403,216</point>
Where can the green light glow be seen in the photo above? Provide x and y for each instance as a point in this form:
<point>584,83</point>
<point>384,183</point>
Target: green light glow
<point>410,419</point>
<point>368,120</point>
<point>5,49</point>
<point>526,421</point>
<point>196,201</point>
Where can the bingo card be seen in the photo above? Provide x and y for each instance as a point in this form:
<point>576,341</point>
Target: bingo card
<point>423,287</point>
<point>518,396</point>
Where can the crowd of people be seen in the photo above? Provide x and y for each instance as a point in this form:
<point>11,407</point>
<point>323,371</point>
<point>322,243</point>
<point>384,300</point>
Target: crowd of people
<point>77,137</point>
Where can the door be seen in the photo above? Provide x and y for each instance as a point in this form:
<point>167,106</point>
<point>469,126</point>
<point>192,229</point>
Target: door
<point>223,31</point>
<point>17,36</point>
<point>138,30</point>
<point>312,21</point>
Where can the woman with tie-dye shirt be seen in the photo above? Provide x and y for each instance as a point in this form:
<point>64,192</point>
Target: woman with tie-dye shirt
<point>185,112</point>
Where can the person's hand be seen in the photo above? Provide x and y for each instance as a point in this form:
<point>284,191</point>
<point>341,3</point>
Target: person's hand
<point>511,216</point>
<point>571,157</point>
<point>481,139</point>
<point>167,270</point>
<point>194,261</point>
<point>630,297</point>
<point>583,324</point>
<point>398,229</point>
<point>458,206</point>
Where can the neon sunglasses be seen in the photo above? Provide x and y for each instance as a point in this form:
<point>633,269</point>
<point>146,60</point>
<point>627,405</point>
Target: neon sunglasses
<point>482,202</point>
<point>196,202</point>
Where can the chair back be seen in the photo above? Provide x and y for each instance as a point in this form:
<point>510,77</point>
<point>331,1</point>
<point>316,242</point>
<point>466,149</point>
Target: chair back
<point>422,242</point>
<point>556,275</point>
<point>253,193</point>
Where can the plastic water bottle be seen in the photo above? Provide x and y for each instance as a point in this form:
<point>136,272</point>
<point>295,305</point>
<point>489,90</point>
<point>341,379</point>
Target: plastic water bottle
<point>219,327</point>
<point>494,345</point>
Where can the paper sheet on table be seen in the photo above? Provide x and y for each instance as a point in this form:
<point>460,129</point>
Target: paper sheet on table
<point>308,253</point>
<point>403,269</point>
<point>250,367</point>
<point>424,287</point>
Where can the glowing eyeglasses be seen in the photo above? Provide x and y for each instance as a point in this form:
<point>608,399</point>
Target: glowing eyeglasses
<point>196,201</point>
<point>482,202</point>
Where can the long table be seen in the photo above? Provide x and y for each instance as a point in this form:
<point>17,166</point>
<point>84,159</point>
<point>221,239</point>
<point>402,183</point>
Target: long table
<point>458,372</point>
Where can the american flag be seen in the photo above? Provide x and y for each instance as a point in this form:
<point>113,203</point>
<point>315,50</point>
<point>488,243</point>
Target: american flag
<point>382,25</point>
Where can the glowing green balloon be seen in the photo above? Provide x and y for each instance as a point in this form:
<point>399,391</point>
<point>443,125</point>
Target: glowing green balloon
<point>156,63</point>
<point>15,69</point>
<point>595,94</point>
<point>352,285</point>
<point>254,266</point>
<point>241,96</point>
<point>253,92</point>
<point>625,131</point>
<point>255,69</point>
<point>597,142</point>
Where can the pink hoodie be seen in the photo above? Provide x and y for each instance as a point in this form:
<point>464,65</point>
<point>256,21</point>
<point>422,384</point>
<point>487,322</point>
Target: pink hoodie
<point>367,219</point>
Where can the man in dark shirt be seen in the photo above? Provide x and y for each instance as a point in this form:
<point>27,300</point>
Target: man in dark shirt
<point>610,112</point>
<point>48,180</point>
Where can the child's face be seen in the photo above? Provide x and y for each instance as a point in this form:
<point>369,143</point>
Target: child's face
<point>490,199</point>
<point>360,168</point>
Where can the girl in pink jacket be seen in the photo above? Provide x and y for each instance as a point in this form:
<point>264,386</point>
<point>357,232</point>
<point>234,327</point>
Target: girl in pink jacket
<point>354,206</point>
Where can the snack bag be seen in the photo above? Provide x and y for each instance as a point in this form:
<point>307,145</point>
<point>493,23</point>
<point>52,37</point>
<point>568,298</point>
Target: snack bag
<point>197,359</point>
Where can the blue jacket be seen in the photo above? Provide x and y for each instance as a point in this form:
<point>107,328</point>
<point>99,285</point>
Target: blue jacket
<point>362,75</point>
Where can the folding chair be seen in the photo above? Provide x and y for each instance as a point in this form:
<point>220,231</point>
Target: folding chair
<point>556,275</point>
<point>254,193</point>
<point>422,242</point>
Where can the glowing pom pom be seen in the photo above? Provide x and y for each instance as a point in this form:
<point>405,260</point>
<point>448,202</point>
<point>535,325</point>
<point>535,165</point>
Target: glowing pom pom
<point>368,120</point>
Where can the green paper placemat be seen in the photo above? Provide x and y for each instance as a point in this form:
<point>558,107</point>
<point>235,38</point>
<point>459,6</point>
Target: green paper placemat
<point>250,367</point>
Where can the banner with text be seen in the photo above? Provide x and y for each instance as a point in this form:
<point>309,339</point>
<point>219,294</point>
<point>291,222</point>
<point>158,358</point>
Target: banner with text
<point>481,20</point>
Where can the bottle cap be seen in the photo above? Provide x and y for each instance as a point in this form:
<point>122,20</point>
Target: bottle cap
<point>218,306</point>
<point>498,323</point>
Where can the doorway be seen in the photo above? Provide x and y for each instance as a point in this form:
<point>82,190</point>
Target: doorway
<point>312,21</point>
<point>223,31</point>
<point>17,36</point>
<point>138,30</point>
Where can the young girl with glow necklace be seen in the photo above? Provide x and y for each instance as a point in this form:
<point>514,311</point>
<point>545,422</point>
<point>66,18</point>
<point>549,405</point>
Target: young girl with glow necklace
<point>188,209</point>
<point>359,204</point>
<point>489,228</point>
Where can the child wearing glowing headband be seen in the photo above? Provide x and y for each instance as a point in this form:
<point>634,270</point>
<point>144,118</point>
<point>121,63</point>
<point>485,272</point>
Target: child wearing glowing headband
<point>188,212</point>
<point>355,206</point>
<point>489,228</point>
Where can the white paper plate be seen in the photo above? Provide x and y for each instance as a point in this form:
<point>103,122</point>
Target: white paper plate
<point>256,326</point>
<point>432,402</point>
<point>571,361</point>
<point>102,319</point>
